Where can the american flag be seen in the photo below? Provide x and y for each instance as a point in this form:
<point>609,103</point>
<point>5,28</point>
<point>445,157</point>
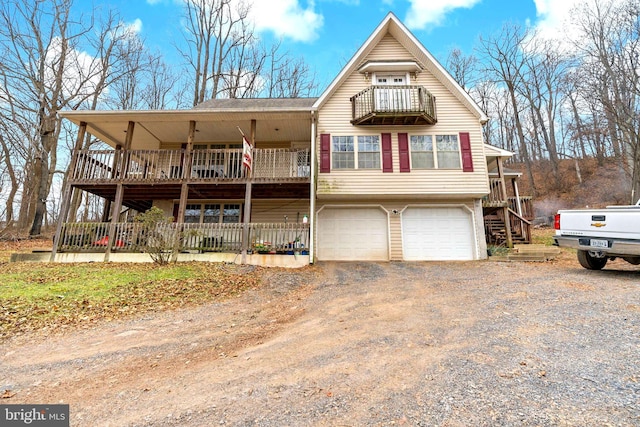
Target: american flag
<point>247,155</point>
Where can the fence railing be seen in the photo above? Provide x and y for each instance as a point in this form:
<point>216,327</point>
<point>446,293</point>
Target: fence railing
<point>393,99</point>
<point>167,165</point>
<point>277,238</point>
<point>495,196</point>
<point>526,203</point>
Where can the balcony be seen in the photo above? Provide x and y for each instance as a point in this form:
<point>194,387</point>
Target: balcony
<point>394,105</point>
<point>170,166</point>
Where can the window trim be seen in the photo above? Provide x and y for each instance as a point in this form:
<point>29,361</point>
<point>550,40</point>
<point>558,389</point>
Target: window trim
<point>356,142</point>
<point>222,203</point>
<point>434,140</point>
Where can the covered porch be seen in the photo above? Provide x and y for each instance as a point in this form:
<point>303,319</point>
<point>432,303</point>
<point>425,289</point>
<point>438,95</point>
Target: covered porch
<point>182,161</point>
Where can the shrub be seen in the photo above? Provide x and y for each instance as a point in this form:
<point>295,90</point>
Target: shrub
<point>159,235</point>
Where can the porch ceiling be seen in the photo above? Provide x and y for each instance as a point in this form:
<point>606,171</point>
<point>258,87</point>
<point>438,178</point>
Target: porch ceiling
<point>141,195</point>
<point>154,128</point>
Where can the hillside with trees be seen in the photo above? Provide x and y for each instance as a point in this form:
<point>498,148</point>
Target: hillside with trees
<point>568,107</point>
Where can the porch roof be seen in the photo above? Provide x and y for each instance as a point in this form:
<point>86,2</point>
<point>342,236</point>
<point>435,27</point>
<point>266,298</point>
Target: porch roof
<point>491,151</point>
<point>216,122</point>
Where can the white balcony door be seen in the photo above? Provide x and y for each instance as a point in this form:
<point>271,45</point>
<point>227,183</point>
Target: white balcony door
<point>392,99</point>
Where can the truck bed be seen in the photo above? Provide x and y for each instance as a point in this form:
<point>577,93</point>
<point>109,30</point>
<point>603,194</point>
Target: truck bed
<point>619,222</point>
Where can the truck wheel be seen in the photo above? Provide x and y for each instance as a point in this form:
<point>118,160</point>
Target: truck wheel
<point>589,262</point>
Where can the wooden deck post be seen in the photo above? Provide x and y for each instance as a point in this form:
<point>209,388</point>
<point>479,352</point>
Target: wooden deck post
<point>67,191</point>
<point>106,210</point>
<point>117,205</point>
<point>516,193</point>
<point>247,202</point>
<point>184,188</point>
<point>505,208</point>
<point>186,172</point>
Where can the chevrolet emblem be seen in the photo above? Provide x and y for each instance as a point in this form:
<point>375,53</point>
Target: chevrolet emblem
<point>598,224</point>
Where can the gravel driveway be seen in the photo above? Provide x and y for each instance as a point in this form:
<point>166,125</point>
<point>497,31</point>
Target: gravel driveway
<point>361,344</point>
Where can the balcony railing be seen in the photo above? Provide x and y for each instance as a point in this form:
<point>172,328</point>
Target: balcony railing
<point>169,165</point>
<point>394,105</point>
<point>276,238</point>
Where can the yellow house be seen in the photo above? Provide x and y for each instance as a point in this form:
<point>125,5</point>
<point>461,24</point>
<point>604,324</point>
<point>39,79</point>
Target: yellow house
<point>387,164</point>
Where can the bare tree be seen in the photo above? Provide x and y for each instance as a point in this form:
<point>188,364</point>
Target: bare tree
<point>45,68</point>
<point>216,33</point>
<point>288,77</point>
<point>462,68</point>
<point>162,87</point>
<point>543,78</point>
<point>610,49</point>
<point>504,60</point>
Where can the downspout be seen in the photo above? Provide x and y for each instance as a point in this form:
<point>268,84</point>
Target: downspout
<point>312,204</point>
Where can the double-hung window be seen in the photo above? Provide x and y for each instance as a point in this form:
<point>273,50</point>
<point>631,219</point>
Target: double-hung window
<point>444,154</point>
<point>448,149</point>
<point>369,152</point>
<point>342,152</point>
<point>216,213</point>
<point>347,154</point>
<point>192,213</point>
<point>422,152</point>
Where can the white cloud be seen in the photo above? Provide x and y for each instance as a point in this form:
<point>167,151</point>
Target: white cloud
<point>134,27</point>
<point>554,16</point>
<point>287,19</point>
<point>81,73</point>
<point>423,13</point>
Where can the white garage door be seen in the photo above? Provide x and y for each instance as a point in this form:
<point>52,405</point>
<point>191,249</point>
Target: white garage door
<point>437,234</point>
<point>353,234</point>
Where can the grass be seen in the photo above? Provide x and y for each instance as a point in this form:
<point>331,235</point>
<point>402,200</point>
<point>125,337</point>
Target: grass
<point>55,296</point>
<point>542,236</point>
<point>51,297</point>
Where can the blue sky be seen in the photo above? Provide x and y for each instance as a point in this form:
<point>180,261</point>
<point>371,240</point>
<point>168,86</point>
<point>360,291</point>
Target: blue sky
<point>328,32</point>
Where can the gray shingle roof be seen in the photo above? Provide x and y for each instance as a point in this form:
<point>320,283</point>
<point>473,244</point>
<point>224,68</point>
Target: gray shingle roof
<point>257,104</point>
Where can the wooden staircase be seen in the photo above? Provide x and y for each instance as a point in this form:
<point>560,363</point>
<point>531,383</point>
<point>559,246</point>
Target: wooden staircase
<point>496,232</point>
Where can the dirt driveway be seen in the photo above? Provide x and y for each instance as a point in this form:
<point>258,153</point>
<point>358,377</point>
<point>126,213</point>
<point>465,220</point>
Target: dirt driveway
<point>353,344</point>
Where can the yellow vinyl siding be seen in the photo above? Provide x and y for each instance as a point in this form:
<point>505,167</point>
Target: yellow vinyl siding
<point>453,117</point>
<point>274,210</point>
<point>271,210</point>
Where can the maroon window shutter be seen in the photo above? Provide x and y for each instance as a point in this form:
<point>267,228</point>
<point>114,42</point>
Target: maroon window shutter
<point>325,153</point>
<point>465,148</point>
<point>387,157</point>
<point>403,147</point>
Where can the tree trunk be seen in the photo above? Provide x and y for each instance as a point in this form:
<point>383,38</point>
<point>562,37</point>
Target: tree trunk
<point>42,170</point>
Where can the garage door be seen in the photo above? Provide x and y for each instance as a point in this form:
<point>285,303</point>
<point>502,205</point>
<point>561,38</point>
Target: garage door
<point>353,234</point>
<point>437,234</point>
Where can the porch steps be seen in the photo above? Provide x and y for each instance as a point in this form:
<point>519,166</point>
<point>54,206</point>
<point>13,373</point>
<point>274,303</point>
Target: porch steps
<point>496,229</point>
<point>529,253</point>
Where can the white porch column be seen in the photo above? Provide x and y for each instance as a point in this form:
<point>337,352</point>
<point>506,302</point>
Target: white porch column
<point>312,213</point>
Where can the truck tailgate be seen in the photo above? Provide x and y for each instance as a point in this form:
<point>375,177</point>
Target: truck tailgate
<point>613,223</point>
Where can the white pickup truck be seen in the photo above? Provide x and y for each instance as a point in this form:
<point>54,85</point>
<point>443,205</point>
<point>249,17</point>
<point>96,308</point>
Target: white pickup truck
<point>600,234</point>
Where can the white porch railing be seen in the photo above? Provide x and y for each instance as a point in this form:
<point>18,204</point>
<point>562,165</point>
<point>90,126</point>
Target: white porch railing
<point>166,165</point>
<point>282,238</point>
